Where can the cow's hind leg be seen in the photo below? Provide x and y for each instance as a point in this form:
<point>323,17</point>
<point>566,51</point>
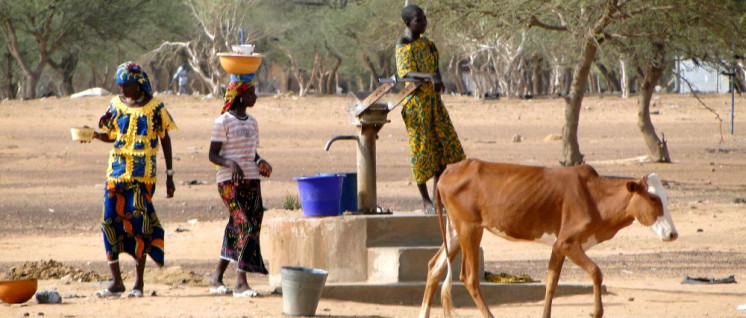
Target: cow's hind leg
<point>470,238</point>
<point>436,268</point>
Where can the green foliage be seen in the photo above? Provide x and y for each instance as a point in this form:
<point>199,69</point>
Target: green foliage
<point>291,202</point>
<point>488,33</point>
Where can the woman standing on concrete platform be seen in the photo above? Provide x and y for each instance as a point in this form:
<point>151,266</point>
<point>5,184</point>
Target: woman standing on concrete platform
<point>433,143</point>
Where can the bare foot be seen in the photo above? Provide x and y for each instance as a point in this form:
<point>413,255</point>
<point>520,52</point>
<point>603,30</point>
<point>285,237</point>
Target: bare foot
<point>118,288</point>
<point>215,281</point>
<point>429,208</point>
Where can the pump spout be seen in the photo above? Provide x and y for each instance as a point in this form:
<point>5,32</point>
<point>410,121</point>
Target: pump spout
<point>342,137</point>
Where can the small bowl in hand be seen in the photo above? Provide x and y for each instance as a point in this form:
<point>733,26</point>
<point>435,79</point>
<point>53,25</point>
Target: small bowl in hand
<point>81,133</point>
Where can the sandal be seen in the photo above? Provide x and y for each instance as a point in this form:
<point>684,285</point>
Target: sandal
<point>220,290</point>
<point>106,293</point>
<point>246,293</point>
<point>135,293</point>
<point>430,210</point>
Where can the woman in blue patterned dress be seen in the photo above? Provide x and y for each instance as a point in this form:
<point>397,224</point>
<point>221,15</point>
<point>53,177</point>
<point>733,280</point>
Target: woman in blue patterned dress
<point>433,143</point>
<point>136,122</point>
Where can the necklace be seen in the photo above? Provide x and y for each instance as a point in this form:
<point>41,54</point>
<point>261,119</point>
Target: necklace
<point>244,117</point>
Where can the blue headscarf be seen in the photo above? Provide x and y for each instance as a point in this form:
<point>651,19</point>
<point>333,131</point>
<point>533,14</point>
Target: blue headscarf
<point>129,72</point>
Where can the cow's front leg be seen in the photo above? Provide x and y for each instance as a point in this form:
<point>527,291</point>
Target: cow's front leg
<point>578,256</point>
<point>553,273</point>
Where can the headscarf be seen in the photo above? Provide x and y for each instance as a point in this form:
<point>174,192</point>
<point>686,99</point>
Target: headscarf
<point>129,72</point>
<point>238,86</point>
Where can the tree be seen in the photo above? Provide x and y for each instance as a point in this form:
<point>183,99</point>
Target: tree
<point>37,30</point>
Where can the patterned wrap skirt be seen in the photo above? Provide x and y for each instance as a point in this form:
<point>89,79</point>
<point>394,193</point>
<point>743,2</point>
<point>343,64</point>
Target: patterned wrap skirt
<point>241,238</point>
<point>433,142</point>
<point>129,222</point>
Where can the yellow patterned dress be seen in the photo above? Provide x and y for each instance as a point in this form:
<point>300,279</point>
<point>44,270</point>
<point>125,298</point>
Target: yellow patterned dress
<point>129,222</point>
<point>433,142</point>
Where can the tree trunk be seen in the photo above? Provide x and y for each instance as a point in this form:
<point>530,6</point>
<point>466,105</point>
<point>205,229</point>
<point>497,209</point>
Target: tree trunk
<point>593,83</point>
<point>10,87</point>
<point>372,69</point>
<point>66,67</point>
<point>657,148</point>
<point>333,80</point>
<point>566,81</point>
<point>29,90</point>
<point>624,81</point>
<point>611,81</point>
<point>536,77</point>
<point>455,71</point>
<point>573,102</point>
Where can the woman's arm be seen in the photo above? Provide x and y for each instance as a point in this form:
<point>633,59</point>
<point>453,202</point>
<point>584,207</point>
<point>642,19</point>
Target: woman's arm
<point>219,160</point>
<point>102,136</point>
<point>265,169</point>
<point>170,186</point>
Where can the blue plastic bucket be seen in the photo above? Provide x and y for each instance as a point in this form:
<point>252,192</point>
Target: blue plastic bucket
<point>349,193</point>
<point>320,195</point>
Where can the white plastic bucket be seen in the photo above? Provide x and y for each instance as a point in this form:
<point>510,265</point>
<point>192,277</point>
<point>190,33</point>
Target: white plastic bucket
<point>301,290</point>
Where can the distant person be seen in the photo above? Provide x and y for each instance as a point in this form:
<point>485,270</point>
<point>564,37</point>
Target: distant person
<point>433,142</point>
<point>181,77</point>
<point>233,144</point>
<point>136,122</point>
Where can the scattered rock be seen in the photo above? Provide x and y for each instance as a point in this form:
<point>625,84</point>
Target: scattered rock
<point>48,297</point>
<point>553,137</point>
<point>67,279</point>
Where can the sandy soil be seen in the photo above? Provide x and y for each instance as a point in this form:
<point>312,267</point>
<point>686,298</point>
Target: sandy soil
<point>50,201</point>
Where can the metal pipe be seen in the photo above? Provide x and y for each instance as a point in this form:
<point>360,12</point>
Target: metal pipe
<point>367,196</point>
<point>342,137</point>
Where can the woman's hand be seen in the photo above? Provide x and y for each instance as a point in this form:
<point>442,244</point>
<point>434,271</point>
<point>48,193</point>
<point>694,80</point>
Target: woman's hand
<point>96,135</point>
<point>237,176</point>
<point>265,169</point>
<point>438,83</point>
<point>170,187</point>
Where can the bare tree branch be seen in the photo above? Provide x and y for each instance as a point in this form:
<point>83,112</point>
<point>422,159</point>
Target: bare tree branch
<point>534,22</point>
<point>704,105</point>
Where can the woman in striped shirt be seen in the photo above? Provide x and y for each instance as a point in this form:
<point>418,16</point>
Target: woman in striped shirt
<point>235,137</point>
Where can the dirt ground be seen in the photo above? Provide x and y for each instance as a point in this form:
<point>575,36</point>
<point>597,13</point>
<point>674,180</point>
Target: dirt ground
<point>51,196</point>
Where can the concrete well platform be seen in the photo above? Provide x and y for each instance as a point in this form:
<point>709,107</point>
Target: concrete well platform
<point>379,259</point>
<point>411,293</point>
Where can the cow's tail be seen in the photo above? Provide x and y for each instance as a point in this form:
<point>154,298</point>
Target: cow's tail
<point>445,290</point>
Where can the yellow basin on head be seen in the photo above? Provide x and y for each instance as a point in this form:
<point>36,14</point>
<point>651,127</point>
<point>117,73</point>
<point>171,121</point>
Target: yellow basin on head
<point>240,64</point>
<point>17,291</point>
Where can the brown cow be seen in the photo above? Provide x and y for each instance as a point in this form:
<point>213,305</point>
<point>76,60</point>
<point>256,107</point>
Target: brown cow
<point>571,208</point>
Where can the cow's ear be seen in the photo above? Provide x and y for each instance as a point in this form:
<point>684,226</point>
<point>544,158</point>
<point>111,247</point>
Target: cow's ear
<point>633,186</point>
